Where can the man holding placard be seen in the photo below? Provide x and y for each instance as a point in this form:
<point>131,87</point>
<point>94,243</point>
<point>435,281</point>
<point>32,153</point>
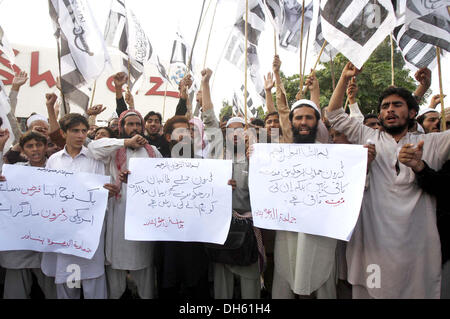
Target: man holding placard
<point>76,157</point>
<point>20,264</point>
<point>123,256</point>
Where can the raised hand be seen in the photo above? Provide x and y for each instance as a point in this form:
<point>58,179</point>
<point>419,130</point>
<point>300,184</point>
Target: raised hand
<point>435,101</point>
<point>350,71</point>
<point>276,64</point>
<point>129,99</point>
<point>206,75</point>
<point>50,100</point>
<point>19,79</point>
<point>311,83</point>
<point>96,109</point>
<point>423,76</point>
<point>269,82</point>
<point>120,79</point>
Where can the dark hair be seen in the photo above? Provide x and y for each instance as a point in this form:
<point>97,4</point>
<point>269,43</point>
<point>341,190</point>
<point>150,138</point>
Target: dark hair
<point>269,115</point>
<point>257,122</point>
<point>110,132</point>
<point>31,135</point>
<point>421,118</point>
<point>72,119</point>
<point>403,93</point>
<point>168,127</point>
<point>151,113</point>
<point>369,116</point>
<point>291,113</point>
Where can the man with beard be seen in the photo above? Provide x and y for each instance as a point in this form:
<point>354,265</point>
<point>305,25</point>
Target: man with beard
<point>304,264</point>
<point>429,119</point>
<point>123,256</point>
<point>396,230</point>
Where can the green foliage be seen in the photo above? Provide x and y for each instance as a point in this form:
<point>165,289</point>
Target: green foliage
<point>374,79</point>
<point>226,110</point>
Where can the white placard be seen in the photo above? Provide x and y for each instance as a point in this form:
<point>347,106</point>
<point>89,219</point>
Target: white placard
<point>178,200</point>
<point>51,210</point>
<point>309,188</point>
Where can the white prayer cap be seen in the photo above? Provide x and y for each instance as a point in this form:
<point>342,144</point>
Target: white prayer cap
<point>113,116</point>
<point>425,111</point>
<point>236,119</point>
<point>36,117</point>
<point>305,102</point>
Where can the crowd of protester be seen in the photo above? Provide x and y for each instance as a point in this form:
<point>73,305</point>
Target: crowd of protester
<point>403,225</point>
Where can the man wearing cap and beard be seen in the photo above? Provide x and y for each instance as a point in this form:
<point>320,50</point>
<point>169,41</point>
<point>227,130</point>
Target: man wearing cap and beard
<point>124,256</point>
<point>304,264</point>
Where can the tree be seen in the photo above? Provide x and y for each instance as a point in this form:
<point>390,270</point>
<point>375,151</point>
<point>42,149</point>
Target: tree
<point>226,110</point>
<point>375,78</point>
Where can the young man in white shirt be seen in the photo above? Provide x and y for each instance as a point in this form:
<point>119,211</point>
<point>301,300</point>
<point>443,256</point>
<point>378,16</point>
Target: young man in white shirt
<point>77,158</point>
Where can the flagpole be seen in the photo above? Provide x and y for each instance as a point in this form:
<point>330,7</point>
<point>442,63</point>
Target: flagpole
<point>275,39</point>
<point>333,80</point>
<point>392,60</point>
<point>60,77</point>
<point>93,94</point>
<point>306,51</point>
<point>195,39</point>
<point>128,72</point>
<point>204,15</point>
<point>301,51</point>
<point>317,61</point>
<point>441,91</point>
<point>165,94</point>
<point>209,35</point>
<point>246,49</point>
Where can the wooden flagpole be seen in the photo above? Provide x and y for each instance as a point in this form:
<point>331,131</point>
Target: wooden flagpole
<point>275,40</point>
<point>333,80</point>
<point>441,91</point>
<point>317,61</point>
<point>195,39</point>
<point>209,35</point>
<point>301,51</point>
<point>60,77</point>
<point>93,94</point>
<point>165,95</point>
<point>392,60</point>
<point>306,52</point>
<point>246,46</point>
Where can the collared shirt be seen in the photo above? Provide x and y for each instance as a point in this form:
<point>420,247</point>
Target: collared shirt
<point>55,264</point>
<point>82,162</point>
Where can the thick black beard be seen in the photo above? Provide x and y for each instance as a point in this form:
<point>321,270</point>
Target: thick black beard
<point>394,130</point>
<point>310,138</point>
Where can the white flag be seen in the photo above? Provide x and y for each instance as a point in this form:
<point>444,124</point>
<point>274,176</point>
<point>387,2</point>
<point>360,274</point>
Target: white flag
<point>429,22</point>
<point>286,17</point>
<point>356,27</point>
<point>83,51</point>
<point>5,47</point>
